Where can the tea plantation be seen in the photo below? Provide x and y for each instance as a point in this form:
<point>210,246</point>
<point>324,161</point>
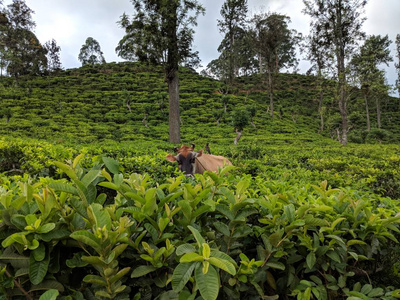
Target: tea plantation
<point>91,209</point>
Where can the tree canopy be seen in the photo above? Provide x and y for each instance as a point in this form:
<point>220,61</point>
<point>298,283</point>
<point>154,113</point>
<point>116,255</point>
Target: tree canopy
<point>91,53</point>
<point>20,50</point>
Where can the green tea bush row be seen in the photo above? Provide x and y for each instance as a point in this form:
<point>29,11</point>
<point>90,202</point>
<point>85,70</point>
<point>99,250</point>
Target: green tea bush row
<point>373,168</point>
<point>101,233</point>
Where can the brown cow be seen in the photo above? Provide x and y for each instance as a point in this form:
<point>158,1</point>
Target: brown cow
<point>191,162</point>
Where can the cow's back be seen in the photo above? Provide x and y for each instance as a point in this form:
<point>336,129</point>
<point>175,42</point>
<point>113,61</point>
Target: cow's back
<point>208,162</point>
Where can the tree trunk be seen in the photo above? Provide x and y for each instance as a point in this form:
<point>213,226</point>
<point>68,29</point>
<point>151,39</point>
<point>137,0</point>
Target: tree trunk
<point>144,121</point>
<point>320,110</point>
<point>271,95</point>
<point>378,112</point>
<point>321,117</point>
<point>238,136</point>
<point>343,114</point>
<point>172,71</point>
<point>174,124</point>
<point>367,113</point>
<point>341,67</point>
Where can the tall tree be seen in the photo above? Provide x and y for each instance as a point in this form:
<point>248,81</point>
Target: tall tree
<point>91,53</point>
<point>22,52</point>
<point>232,25</point>
<point>379,90</point>
<point>397,65</point>
<point>53,56</point>
<point>339,22</point>
<point>275,46</point>
<point>374,52</point>
<point>161,32</point>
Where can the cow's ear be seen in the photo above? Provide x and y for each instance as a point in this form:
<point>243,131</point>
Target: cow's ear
<point>171,157</point>
<point>176,149</point>
<point>193,145</point>
<point>200,153</point>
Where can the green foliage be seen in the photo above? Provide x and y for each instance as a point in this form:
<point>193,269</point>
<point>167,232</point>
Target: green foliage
<point>95,211</point>
<point>240,118</point>
<point>117,235</point>
<point>107,102</point>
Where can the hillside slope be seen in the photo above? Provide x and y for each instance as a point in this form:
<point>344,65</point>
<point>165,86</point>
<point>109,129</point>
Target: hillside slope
<point>129,102</point>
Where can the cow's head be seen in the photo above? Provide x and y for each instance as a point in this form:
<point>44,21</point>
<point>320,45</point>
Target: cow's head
<point>186,158</point>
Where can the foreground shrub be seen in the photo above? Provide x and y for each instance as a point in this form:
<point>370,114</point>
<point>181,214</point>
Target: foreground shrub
<point>102,234</point>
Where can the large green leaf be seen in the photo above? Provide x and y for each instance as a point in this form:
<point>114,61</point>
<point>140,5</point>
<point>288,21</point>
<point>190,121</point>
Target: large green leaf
<point>63,187</point>
<point>38,269</point>
<point>275,265</point>
<point>121,273</point>
<point>109,185</point>
<point>223,264</point>
<point>224,209</point>
<point>39,253</point>
<point>201,210</point>
<point>191,257</point>
<point>46,228</point>
<point>49,295</point>
<point>199,239</point>
<point>334,256</point>
<point>91,193</point>
<point>224,256</point>
<point>185,248</point>
<point>87,238</point>
<point>311,260</point>
<point>82,192</point>
<point>99,215</point>
<point>182,274</point>
<point>223,228</point>
<point>111,164</point>
<point>142,270</point>
<point>242,186</point>
<point>95,279</point>
<point>151,205</point>
<point>186,209</point>
<point>208,283</point>
<point>57,234</point>
<point>67,170</point>
<point>90,176</point>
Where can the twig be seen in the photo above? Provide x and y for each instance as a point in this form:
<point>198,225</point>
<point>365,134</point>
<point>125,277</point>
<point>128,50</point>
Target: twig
<point>16,282</point>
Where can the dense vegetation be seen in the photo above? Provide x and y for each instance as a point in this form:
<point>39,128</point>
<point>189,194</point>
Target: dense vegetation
<point>129,101</point>
<point>90,208</point>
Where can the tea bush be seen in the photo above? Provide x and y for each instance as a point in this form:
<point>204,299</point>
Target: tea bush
<point>101,233</point>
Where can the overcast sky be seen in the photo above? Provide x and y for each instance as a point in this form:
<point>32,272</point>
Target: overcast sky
<point>70,22</point>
